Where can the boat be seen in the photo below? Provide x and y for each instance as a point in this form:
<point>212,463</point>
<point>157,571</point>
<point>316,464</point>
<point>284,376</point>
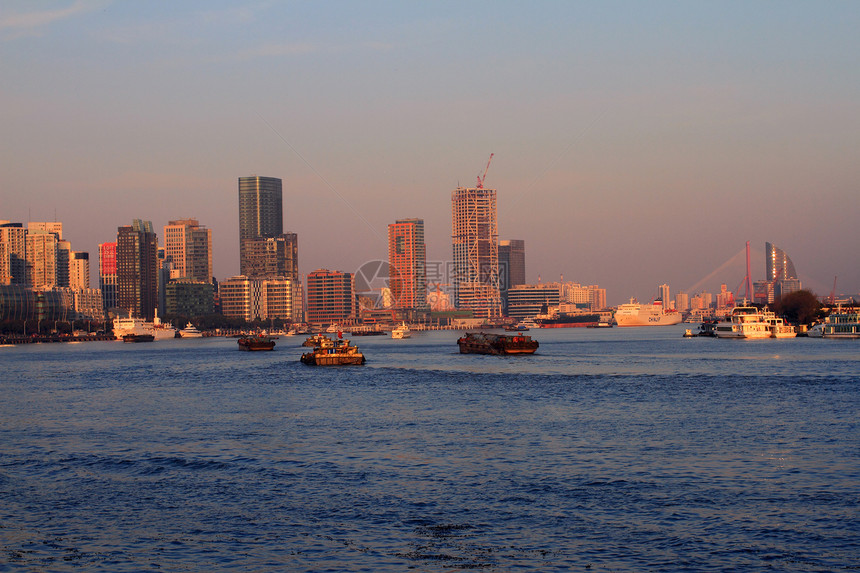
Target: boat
<point>333,353</point>
<point>745,322</point>
<point>136,325</point>
<point>254,343</point>
<point>519,327</point>
<point>190,331</point>
<point>779,329</point>
<point>838,325</point>
<point>315,340</point>
<point>131,337</point>
<point>366,332</point>
<point>401,331</point>
<point>501,344</point>
<point>635,314</point>
<point>564,320</point>
<point>333,328</point>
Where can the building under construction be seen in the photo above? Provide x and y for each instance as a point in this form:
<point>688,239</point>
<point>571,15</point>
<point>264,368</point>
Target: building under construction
<point>475,241</point>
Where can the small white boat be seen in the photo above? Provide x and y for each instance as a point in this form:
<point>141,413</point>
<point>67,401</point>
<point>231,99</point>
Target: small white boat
<point>401,331</point>
<point>190,331</point>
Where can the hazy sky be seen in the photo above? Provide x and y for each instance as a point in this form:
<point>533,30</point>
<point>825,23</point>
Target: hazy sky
<point>636,143</point>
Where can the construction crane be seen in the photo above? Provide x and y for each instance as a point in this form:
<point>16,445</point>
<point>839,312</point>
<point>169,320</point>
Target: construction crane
<point>481,178</point>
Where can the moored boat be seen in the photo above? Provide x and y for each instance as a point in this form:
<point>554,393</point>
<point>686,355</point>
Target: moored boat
<point>839,325</point>
<point>132,337</point>
<point>190,331</point>
<point>745,321</point>
<point>254,343</point>
<point>136,325</point>
<point>333,353</point>
<point>500,344</point>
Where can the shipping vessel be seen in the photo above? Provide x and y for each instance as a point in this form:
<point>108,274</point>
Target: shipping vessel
<point>483,343</point>
<point>138,326</point>
<point>563,320</point>
<point>635,314</point>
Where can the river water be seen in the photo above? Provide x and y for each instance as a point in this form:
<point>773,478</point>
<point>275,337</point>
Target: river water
<point>608,450</point>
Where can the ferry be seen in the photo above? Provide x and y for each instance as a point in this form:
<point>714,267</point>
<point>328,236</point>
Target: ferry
<point>838,325</point>
<point>635,314</point>
<point>779,329</point>
<point>745,322</point>
<point>401,331</point>
<point>135,325</point>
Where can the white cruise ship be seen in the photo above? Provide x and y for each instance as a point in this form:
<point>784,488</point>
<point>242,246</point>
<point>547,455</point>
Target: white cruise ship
<point>745,322</point>
<point>635,314</point>
<point>123,326</point>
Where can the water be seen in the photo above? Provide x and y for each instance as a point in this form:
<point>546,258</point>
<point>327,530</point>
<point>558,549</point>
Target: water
<point>609,450</point>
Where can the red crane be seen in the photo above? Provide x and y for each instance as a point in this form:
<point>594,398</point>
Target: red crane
<point>481,178</point>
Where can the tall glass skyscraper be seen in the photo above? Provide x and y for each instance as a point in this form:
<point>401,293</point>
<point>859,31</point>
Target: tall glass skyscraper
<point>261,214</point>
<point>777,264</point>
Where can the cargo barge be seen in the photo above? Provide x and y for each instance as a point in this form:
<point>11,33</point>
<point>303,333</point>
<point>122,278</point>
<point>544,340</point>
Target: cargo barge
<point>499,344</point>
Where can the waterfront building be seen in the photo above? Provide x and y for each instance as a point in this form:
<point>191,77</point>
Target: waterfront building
<point>261,299</point>
<point>137,269</point>
<point>107,275</point>
<point>260,212</point>
<point>407,262</point>
<point>512,267</point>
<point>590,297</point>
<point>188,245</point>
<point>330,297</point>
<point>188,297</point>
<point>272,257</point>
<point>475,242</point>
<point>88,304</point>
<point>79,270</point>
<point>13,253</point>
<point>41,257</point>
<point>526,301</point>
<point>682,302</point>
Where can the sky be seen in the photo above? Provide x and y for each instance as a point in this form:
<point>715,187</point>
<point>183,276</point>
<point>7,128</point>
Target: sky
<point>635,143</point>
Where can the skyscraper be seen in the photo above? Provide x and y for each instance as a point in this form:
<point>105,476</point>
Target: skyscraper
<point>781,275</point>
<point>475,241</point>
<point>137,269</point>
<point>777,264</point>
<point>512,267</point>
<point>13,250</point>
<point>41,258</point>
<point>272,257</point>
<point>107,274</point>
<point>189,246</point>
<point>407,261</point>
<point>331,297</point>
<point>260,212</point>
<point>79,270</point>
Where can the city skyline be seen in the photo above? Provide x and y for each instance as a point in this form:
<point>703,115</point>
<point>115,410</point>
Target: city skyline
<point>633,147</point>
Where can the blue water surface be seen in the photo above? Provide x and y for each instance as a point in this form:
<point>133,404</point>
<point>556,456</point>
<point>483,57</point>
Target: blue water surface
<point>608,450</point>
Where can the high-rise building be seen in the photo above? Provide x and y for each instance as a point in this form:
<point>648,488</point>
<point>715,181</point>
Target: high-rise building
<point>261,299</point>
<point>777,264</point>
<point>475,240</point>
<point>407,262</point>
<point>663,295</point>
<point>137,269</point>
<point>260,211</point>
<point>512,267</point>
<point>41,250</point>
<point>54,227</point>
<point>189,246</point>
<point>331,297</point>
<point>272,257</point>
<point>79,270</point>
<point>526,301</point>
<point>107,274</point>
<point>13,253</point>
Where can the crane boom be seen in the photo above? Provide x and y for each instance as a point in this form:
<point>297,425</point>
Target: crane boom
<point>481,178</point>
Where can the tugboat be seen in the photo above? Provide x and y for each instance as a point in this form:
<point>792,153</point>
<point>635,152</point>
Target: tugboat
<point>331,353</point>
<point>253,343</point>
<point>483,343</point>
